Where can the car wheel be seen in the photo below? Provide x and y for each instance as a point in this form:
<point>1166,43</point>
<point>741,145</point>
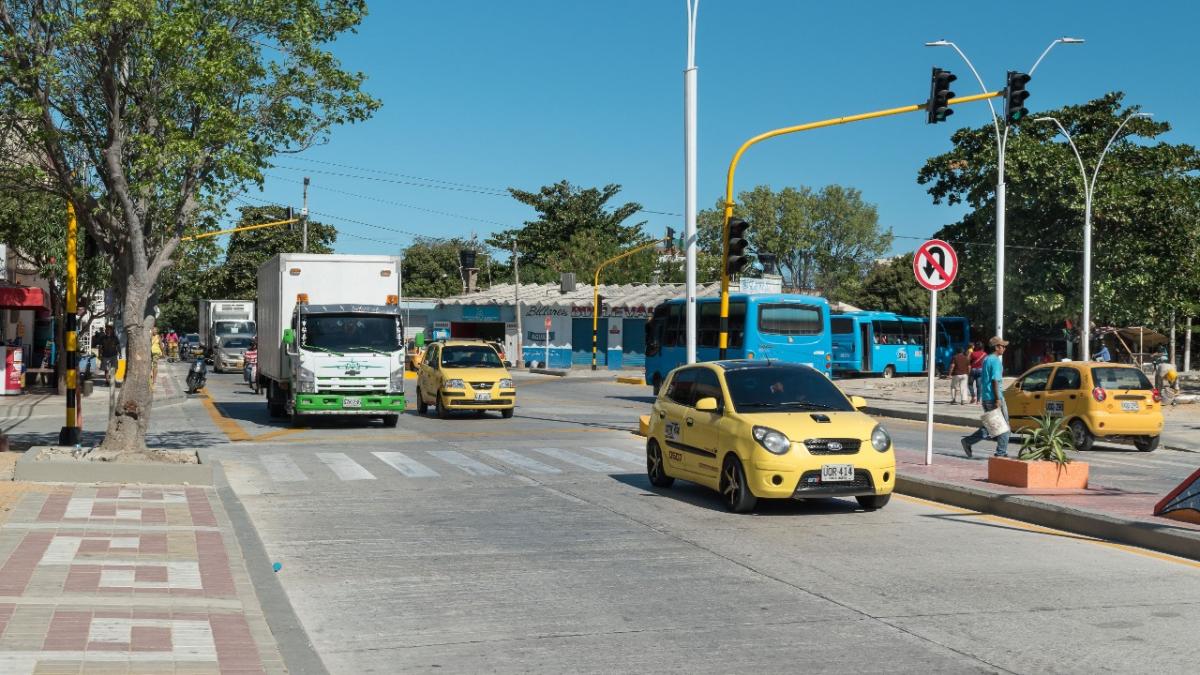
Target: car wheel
<point>422,406</point>
<point>1146,443</point>
<point>873,502</point>
<point>656,383</point>
<point>734,490</point>
<point>391,421</point>
<point>507,413</point>
<point>440,404</point>
<point>1081,436</point>
<point>655,469</point>
<point>889,372</point>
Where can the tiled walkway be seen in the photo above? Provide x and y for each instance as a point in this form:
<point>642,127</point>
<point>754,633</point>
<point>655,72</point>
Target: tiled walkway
<point>127,580</point>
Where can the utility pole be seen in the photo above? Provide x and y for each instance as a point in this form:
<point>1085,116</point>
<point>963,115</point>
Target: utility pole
<point>304,219</point>
<point>689,182</point>
<point>517,302</point>
<point>1187,346</point>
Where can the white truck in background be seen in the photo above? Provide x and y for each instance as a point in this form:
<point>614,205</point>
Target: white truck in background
<point>223,318</point>
<point>330,336</point>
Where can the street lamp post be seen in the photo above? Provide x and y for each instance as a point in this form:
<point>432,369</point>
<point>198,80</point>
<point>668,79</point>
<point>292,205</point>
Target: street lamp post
<point>1089,190</point>
<point>689,180</point>
<point>1001,145</point>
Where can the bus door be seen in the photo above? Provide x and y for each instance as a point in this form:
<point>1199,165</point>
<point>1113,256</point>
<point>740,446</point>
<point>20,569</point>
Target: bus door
<point>868,341</point>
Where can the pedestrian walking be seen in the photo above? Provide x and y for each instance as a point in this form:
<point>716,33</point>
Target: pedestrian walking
<point>960,369</point>
<point>991,384</point>
<point>110,351</point>
<point>976,357</point>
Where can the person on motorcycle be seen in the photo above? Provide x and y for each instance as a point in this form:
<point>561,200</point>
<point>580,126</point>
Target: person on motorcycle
<point>250,362</point>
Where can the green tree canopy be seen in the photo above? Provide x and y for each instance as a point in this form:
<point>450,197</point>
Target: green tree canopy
<point>431,267</point>
<point>890,286</point>
<point>237,277</point>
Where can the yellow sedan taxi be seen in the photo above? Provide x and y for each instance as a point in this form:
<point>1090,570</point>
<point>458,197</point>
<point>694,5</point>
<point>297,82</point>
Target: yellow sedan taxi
<point>767,430</point>
<point>1096,399</point>
<point>464,375</point>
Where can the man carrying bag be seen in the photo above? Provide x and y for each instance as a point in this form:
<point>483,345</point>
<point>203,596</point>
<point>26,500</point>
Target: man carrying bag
<point>991,395</point>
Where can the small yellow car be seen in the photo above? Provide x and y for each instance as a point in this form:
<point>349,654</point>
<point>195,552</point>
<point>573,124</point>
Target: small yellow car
<point>767,430</point>
<point>1096,399</point>
<point>464,375</point>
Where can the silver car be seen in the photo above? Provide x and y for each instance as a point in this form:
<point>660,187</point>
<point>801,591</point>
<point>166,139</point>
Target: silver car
<point>231,354</point>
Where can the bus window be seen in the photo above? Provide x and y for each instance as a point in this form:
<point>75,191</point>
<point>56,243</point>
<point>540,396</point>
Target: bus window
<point>709,324</point>
<point>674,331</point>
<point>789,320</point>
<point>654,330</point>
<point>841,326</point>
<point>888,332</point>
<point>916,331</point>
<point>737,324</point>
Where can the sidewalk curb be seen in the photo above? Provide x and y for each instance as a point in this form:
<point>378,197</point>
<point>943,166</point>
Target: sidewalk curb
<point>299,655</point>
<point>631,380</point>
<point>1178,542</point>
<point>547,371</point>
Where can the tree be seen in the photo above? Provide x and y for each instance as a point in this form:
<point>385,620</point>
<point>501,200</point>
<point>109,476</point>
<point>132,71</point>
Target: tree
<point>890,286</point>
<point>147,114</point>
<point>1146,220</point>
<point>431,267</point>
<point>237,277</point>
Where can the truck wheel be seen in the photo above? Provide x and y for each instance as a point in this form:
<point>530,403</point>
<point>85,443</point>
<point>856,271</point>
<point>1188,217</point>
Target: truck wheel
<point>391,421</point>
<point>299,420</point>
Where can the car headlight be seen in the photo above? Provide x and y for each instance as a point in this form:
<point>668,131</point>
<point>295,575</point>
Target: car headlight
<point>454,384</point>
<point>774,441</point>
<point>506,383</point>
<point>880,440</point>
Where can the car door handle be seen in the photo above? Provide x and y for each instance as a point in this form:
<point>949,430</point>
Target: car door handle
<point>690,421</point>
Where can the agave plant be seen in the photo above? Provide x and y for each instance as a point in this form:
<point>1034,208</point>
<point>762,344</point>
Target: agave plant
<point>1048,441</point>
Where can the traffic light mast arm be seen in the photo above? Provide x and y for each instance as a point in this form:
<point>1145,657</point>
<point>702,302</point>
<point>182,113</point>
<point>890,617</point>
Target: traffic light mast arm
<point>596,289</point>
<point>245,228</point>
<point>723,340</point>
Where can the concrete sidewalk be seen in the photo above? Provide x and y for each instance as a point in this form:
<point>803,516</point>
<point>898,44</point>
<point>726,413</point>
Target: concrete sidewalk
<point>169,389</point>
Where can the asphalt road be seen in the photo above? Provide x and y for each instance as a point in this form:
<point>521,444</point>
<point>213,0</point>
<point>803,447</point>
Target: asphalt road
<point>536,545</point>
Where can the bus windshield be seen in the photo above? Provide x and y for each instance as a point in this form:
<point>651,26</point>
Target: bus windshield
<point>350,333</point>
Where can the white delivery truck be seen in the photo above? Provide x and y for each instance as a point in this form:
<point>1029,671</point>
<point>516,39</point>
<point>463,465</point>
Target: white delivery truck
<point>224,318</point>
<point>330,338</point>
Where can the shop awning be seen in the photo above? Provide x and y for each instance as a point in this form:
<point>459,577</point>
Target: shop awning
<point>23,297</point>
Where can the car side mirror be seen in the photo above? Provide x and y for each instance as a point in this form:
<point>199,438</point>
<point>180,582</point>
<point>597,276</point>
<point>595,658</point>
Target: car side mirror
<point>707,404</point>
<point>289,336</point>
<point>858,402</point>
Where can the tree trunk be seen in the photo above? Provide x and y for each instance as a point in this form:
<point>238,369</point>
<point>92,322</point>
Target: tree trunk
<point>130,417</point>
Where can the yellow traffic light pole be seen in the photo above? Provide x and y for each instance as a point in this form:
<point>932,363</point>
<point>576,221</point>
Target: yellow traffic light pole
<point>245,228</point>
<point>723,340</point>
<point>596,290</point>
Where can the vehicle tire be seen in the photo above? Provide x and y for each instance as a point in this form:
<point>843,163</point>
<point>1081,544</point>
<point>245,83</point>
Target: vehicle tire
<point>734,490</point>
<point>873,502</point>
<point>390,421</point>
<point>1081,436</point>
<point>507,413</point>
<point>480,413</point>
<point>422,406</point>
<point>889,372</point>
<point>299,420</point>
<point>1146,443</point>
<point>656,383</point>
<point>656,470</point>
<point>440,405</point>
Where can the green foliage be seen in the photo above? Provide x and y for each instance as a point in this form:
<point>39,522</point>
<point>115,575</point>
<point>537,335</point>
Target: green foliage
<point>1146,220</point>
<point>890,286</point>
<point>1048,441</point>
<point>237,277</point>
<point>431,267</point>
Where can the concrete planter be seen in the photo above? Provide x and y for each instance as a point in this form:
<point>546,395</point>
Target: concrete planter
<point>1023,474</point>
<point>46,465</point>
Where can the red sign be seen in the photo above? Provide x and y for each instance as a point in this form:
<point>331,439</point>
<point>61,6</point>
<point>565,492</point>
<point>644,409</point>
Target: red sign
<point>935,265</point>
<point>547,323</point>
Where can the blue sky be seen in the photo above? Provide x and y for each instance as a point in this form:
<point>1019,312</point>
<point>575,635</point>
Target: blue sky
<point>481,96</point>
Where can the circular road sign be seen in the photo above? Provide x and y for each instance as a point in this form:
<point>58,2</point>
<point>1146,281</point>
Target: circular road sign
<point>935,265</point>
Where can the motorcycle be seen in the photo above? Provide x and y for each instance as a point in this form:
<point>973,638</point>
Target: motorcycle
<point>196,376</point>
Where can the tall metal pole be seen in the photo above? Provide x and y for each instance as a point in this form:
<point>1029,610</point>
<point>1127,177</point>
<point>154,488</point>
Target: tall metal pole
<point>1187,346</point>
<point>69,434</point>
<point>304,218</point>
<point>689,179</point>
<point>931,363</point>
<point>517,302</point>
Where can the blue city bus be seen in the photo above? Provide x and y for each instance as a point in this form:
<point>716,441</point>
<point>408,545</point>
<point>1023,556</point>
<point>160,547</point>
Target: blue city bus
<point>954,334</point>
<point>887,344</point>
<point>792,328</point>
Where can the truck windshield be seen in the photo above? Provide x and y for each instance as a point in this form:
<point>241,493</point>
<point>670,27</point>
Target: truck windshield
<point>233,328</point>
<point>350,333</point>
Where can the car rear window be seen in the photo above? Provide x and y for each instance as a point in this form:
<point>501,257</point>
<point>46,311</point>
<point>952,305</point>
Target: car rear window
<point>1120,378</point>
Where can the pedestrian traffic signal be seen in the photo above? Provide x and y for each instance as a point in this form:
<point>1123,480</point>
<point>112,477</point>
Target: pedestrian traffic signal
<point>735,247</point>
<point>1014,97</point>
<point>937,108</point>
<point>671,238</point>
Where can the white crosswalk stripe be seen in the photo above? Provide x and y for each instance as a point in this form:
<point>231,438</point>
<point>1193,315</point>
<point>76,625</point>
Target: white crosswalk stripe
<point>281,469</point>
<point>578,460</point>
<point>620,455</point>
<point>405,464</point>
<point>530,465</point>
<point>467,464</point>
<point>344,467</point>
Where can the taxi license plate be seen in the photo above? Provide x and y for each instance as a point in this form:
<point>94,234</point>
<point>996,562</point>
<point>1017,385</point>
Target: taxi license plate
<point>836,472</point>
<point>1129,406</point>
<point>483,396</point>
<point>352,403</point>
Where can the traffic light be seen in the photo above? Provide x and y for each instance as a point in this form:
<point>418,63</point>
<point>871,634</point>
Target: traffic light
<point>1014,97</point>
<point>937,108</point>
<point>671,239</point>
<point>736,258</point>
<point>289,216</point>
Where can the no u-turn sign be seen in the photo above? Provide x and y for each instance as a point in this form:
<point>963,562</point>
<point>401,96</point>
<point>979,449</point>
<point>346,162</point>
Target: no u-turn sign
<point>935,265</point>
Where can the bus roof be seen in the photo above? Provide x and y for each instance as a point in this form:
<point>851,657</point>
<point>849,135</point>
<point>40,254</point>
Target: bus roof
<point>761,297</point>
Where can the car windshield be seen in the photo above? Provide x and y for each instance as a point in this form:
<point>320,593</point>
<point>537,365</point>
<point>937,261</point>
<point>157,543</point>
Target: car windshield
<point>783,388</point>
<point>350,333</point>
<point>235,343</point>
<point>470,357</point>
<point>1120,378</point>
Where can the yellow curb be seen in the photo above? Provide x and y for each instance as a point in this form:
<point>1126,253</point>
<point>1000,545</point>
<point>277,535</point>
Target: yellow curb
<point>410,375</point>
<point>643,425</point>
<point>631,380</point>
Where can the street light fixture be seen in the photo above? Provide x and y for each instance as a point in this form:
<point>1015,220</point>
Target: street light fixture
<point>1001,144</point>
<point>1089,189</point>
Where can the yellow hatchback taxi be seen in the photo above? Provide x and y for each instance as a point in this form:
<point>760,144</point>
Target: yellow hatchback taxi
<point>1096,399</point>
<point>464,375</point>
<point>767,430</point>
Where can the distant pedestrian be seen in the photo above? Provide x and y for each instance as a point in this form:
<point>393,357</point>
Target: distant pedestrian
<point>110,351</point>
<point>960,369</point>
<point>992,397</point>
<point>976,358</point>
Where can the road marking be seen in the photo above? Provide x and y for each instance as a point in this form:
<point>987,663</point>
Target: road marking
<point>578,460</point>
<point>281,469</point>
<point>619,455</point>
<point>225,424</point>
<point>343,466</point>
<point>530,465</point>
<point>405,464</point>
<point>467,464</point>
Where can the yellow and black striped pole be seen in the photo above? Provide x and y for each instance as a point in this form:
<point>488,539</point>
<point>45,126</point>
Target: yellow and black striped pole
<point>69,435</point>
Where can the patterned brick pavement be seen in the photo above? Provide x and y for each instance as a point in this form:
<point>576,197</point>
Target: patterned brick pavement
<point>120,579</point>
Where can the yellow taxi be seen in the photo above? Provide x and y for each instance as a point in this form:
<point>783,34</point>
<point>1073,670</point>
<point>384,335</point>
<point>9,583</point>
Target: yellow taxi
<point>1096,399</point>
<point>464,375</point>
<point>767,430</point>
